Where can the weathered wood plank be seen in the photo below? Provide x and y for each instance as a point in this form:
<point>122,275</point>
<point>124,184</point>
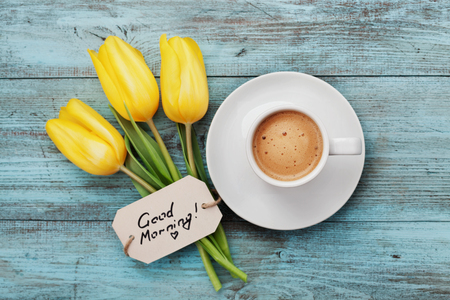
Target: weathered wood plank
<point>405,122</point>
<point>81,260</point>
<point>240,38</point>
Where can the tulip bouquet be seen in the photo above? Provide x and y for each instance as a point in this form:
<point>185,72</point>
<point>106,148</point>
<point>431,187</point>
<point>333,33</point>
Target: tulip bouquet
<point>94,145</point>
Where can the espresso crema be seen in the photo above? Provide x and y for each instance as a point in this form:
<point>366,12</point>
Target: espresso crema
<point>287,145</point>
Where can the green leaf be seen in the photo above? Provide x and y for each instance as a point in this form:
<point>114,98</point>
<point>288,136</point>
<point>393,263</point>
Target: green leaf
<point>142,142</point>
<point>196,151</point>
<point>179,173</point>
<point>161,167</point>
<point>153,142</point>
<point>158,151</point>
<point>198,158</point>
<point>131,164</point>
<point>134,138</point>
<point>149,178</point>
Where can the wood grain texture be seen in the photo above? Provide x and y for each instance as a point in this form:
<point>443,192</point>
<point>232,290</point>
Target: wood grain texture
<point>80,260</point>
<point>405,123</point>
<point>390,59</point>
<point>238,38</point>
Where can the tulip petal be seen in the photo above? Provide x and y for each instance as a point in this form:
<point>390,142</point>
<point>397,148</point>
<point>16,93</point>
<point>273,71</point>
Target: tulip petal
<point>150,98</point>
<point>65,115</point>
<point>136,79</point>
<point>94,122</point>
<point>138,53</point>
<point>105,57</point>
<point>170,80</point>
<point>113,94</point>
<point>193,100</point>
<point>194,46</point>
<point>83,148</point>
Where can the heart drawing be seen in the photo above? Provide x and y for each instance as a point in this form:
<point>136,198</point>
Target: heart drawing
<point>174,235</point>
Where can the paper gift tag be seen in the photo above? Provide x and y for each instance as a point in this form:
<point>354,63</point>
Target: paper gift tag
<point>167,220</point>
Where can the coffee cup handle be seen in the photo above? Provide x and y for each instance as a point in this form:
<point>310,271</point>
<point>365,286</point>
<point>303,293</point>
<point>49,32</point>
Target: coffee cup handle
<point>345,146</point>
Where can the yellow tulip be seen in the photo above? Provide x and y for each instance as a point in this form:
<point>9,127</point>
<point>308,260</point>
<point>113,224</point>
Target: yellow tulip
<point>87,139</point>
<point>184,87</point>
<point>125,77</point>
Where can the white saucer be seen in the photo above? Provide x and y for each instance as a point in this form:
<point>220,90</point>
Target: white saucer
<point>249,196</point>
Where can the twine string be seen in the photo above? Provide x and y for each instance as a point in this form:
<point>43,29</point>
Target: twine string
<point>127,245</point>
<point>212,203</point>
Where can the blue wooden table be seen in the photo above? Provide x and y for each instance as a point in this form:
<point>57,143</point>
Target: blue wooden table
<point>390,59</point>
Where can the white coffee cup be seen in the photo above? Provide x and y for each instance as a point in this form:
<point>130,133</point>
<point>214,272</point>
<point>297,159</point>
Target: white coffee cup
<point>335,146</point>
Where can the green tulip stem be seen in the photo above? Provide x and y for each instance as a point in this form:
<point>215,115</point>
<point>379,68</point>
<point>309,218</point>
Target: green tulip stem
<point>138,179</point>
<point>220,257</point>
<point>209,267</point>
<point>162,146</point>
<point>191,160</point>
